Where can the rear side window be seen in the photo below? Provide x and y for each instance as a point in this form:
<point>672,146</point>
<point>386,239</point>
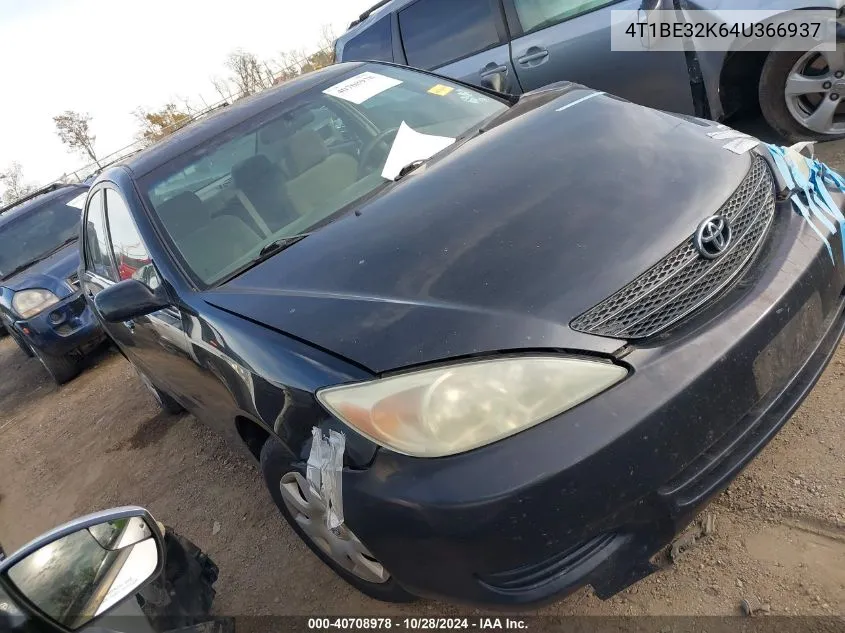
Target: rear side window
<point>436,32</point>
<point>131,256</point>
<point>375,43</point>
<point>97,258</point>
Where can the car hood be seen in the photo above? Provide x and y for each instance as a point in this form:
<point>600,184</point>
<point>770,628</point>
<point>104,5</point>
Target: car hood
<point>501,242</point>
<point>50,273</point>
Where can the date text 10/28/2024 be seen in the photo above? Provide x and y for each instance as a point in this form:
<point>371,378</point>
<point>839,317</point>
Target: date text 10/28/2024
<point>363,624</point>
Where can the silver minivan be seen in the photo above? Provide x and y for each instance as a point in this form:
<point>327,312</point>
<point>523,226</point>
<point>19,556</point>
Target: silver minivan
<point>521,45</point>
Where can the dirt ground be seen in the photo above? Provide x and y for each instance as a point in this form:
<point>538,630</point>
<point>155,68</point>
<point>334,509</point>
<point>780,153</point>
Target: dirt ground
<point>100,442</point>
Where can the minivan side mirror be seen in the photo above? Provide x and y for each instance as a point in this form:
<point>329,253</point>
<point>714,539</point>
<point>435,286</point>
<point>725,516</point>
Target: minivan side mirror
<point>127,300</point>
<point>85,568</point>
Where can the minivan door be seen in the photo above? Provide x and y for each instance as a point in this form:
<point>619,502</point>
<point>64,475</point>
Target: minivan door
<point>570,40</point>
<point>467,40</point>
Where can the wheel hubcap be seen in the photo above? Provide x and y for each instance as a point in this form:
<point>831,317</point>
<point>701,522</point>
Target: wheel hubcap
<point>813,90</point>
<point>309,511</point>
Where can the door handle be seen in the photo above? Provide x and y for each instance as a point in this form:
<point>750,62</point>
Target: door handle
<point>492,69</point>
<point>533,54</point>
<point>130,325</point>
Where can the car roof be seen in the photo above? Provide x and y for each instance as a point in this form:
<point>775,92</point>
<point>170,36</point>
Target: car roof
<point>210,126</point>
<point>373,15</point>
<point>40,198</point>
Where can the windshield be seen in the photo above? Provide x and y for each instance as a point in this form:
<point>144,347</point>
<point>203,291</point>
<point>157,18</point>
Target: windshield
<point>307,159</point>
<point>37,233</point>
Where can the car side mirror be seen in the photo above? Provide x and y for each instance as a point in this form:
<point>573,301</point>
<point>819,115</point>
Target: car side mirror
<point>85,568</point>
<point>127,300</point>
<point>494,81</point>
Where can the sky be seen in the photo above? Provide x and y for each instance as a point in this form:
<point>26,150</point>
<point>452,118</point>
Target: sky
<point>108,58</point>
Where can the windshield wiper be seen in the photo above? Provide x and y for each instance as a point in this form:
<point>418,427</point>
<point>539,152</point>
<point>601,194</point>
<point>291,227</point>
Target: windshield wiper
<point>279,245</point>
<point>407,169</point>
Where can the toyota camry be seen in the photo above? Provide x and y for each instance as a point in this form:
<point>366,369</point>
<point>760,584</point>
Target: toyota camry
<point>486,349</point>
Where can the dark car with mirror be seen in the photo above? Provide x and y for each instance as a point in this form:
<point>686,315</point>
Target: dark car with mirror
<point>485,348</point>
<point>41,304</point>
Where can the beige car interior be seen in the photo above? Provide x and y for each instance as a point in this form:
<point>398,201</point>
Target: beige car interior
<point>292,177</point>
<point>193,230</point>
<point>316,175</point>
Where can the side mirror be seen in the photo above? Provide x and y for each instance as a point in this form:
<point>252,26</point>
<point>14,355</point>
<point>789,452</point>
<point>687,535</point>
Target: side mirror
<point>494,81</point>
<point>84,568</point>
<point>127,300</point>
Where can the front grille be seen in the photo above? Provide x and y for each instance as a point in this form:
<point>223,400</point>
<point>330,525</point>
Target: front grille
<point>73,281</point>
<point>683,280</point>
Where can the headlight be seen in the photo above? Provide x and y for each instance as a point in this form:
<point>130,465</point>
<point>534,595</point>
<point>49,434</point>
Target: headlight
<point>449,410</point>
<point>28,303</point>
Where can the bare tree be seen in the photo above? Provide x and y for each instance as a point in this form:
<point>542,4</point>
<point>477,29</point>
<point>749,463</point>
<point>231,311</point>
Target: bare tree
<point>74,131</point>
<point>327,38</point>
<point>14,183</point>
<point>291,66</point>
<point>247,75</point>
<point>158,124</point>
<point>223,88</point>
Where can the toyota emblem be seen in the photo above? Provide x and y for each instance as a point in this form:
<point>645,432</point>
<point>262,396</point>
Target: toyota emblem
<point>713,237</point>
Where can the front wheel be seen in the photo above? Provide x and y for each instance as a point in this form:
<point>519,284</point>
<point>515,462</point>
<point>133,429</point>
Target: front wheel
<point>62,369</point>
<point>340,549</point>
<point>802,94</point>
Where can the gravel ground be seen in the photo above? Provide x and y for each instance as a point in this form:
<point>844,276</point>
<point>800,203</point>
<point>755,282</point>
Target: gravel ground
<point>99,442</point>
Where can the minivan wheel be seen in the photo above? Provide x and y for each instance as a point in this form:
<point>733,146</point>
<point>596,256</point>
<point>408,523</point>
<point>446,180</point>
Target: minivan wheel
<point>802,94</point>
<point>340,549</point>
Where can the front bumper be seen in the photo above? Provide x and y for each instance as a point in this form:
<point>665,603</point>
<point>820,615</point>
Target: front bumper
<point>66,327</point>
<point>590,496</point>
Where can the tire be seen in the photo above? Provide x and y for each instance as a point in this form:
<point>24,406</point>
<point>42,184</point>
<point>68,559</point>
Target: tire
<point>165,402</point>
<point>62,369</point>
<point>276,464</point>
<point>773,98</point>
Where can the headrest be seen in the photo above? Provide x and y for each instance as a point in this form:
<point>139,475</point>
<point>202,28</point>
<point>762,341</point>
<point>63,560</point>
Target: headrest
<point>285,126</point>
<point>182,213</point>
<point>305,150</point>
<point>255,171</point>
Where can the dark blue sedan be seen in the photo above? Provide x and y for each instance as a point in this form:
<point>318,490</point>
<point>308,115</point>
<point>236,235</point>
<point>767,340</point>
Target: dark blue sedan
<point>484,348</point>
<point>41,304</point>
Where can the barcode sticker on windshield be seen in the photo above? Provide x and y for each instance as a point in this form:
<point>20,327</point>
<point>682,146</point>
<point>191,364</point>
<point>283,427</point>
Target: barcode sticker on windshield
<point>362,87</point>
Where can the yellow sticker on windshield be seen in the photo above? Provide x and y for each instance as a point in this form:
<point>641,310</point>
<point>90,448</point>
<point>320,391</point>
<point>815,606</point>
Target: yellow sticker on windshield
<point>440,90</point>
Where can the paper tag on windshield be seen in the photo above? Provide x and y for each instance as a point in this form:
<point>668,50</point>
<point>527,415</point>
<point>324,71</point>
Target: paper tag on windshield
<point>410,145</point>
<point>362,87</point>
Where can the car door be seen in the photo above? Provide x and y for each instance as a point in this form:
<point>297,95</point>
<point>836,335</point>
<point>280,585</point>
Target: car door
<point>154,343</point>
<point>466,40</point>
<point>570,40</point>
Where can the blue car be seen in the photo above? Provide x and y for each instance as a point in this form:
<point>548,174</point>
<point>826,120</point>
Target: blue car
<point>41,304</point>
